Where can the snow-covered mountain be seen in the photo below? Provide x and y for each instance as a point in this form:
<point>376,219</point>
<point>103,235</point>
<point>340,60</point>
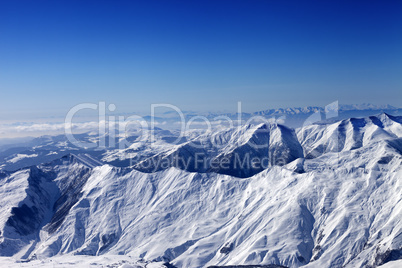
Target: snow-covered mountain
<point>241,152</point>
<point>294,117</point>
<point>334,200</point>
<point>348,134</point>
<point>118,150</point>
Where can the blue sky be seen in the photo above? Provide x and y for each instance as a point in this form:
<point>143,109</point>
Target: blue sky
<point>198,55</point>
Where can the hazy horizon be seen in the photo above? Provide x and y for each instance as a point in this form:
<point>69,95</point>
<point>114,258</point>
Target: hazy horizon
<point>198,56</point>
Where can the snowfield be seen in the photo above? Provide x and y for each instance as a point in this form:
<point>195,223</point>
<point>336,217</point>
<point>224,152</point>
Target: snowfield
<point>19,157</point>
<point>334,200</point>
<point>109,261</point>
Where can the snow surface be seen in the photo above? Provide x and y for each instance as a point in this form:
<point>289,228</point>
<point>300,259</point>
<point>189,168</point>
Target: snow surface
<point>338,204</point>
<point>392,264</point>
<point>274,144</point>
<point>83,261</point>
<point>19,157</point>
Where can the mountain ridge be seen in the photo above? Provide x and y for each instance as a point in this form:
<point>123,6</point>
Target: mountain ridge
<point>339,208</point>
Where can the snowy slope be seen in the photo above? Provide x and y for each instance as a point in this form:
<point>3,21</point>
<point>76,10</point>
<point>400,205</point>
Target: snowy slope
<point>349,134</point>
<point>276,216</point>
<point>120,150</point>
<point>35,202</point>
<point>109,261</point>
<point>233,151</point>
<point>339,207</point>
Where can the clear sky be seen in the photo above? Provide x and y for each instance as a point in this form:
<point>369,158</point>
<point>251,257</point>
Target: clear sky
<point>198,55</point>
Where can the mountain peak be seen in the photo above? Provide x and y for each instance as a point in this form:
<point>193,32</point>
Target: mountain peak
<point>387,118</point>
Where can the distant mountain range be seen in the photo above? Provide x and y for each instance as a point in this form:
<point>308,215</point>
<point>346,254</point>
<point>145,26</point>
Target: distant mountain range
<point>329,195</point>
<point>294,117</point>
